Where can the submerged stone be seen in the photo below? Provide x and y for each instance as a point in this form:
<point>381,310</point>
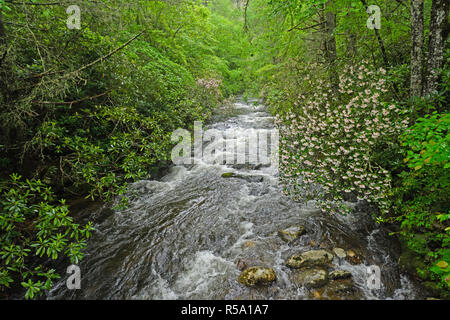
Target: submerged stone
<point>310,259</point>
<point>353,257</point>
<point>228,175</point>
<point>340,274</point>
<point>248,178</point>
<point>292,233</point>
<point>248,244</point>
<point>317,294</point>
<point>311,278</point>
<point>248,166</point>
<point>343,289</point>
<point>254,276</point>
<point>241,264</point>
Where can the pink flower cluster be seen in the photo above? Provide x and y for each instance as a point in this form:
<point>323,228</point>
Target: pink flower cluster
<point>210,84</point>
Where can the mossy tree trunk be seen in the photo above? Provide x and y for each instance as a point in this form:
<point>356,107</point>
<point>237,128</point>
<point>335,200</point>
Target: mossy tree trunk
<point>330,42</point>
<point>436,43</point>
<point>416,47</point>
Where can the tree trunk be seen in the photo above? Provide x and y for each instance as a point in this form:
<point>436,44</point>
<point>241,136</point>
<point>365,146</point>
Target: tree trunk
<point>3,80</point>
<point>330,44</point>
<point>330,19</point>
<point>416,47</point>
<point>2,39</point>
<point>4,67</point>
<point>351,44</point>
<point>436,43</point>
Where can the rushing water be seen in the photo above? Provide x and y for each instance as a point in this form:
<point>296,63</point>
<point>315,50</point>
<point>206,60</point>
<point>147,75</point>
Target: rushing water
<point>183,236</point>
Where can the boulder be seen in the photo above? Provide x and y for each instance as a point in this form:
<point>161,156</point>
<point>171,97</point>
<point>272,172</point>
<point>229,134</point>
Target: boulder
<point>311,277</point>
<point>255,276</point>
<point>291,233</point>
<point>309,259</point>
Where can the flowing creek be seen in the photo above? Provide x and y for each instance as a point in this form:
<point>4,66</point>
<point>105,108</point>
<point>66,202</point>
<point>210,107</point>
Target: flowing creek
<point>185,235</point>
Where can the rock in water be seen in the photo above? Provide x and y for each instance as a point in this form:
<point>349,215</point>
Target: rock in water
<point>317,295</point>
<point>340,274</point>
<point>248,178</point>
<point>340,253</point>
<point>248,244</point>
<point>353,257</point>
<point>309,259</point>
<point>228,175</point>
<point>254,276</point>
<point>311,278</point>
<point>292,233</point>
<point>241,264</point>
<point>343,290</point>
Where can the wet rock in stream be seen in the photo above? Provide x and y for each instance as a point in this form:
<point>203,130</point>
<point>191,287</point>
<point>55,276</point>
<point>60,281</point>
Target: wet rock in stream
<point>340,274</point>
<point>311,277</point>
<point>248,178</point>
<point>292,233</point>
<point>343,289</point>
<point>254,276</point>
<point>309,259</point>
<point>353,257</point>
<point>340,253</point>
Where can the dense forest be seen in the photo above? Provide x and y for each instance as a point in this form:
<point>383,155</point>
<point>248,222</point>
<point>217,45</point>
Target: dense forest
<point>89,99</point>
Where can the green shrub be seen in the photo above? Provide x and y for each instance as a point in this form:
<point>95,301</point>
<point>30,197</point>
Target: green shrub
<point>34,228</point>
<point>422,206</point>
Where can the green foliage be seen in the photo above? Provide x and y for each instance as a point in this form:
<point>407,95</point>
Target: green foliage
<point>428,142</point>
<point>422,205</point>
<point>34,226</point>
<point>104,119</point>
<point>90,110</point>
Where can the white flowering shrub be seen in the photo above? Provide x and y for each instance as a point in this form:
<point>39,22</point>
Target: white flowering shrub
<point>329,139</point>
<point>211,84</point>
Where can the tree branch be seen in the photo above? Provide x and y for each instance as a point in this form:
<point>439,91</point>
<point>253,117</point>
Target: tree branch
<point>93,62</point>
<point>75,101</point>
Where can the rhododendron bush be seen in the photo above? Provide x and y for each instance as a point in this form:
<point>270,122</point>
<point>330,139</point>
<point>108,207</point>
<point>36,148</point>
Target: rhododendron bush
<point>212,85</point>
<point>329,136</point>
